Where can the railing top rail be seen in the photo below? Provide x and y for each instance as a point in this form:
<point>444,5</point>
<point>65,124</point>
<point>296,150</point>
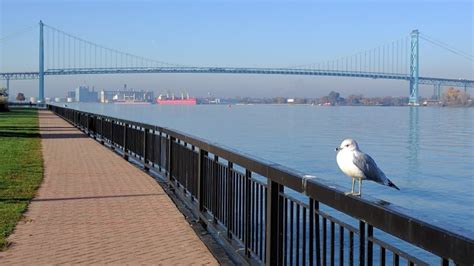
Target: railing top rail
<point>382,215</point>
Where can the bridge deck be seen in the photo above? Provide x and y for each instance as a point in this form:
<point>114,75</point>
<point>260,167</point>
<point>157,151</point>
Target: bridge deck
<point>93,207</point>
<point>239,70</point>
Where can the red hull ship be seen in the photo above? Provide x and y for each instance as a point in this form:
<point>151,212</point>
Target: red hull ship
<point>175,101</point>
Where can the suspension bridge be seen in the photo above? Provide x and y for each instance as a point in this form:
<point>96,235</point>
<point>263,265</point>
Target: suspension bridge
<point>61,53</point>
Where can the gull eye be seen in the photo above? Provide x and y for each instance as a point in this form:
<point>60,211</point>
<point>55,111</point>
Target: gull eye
<point>347,145</point>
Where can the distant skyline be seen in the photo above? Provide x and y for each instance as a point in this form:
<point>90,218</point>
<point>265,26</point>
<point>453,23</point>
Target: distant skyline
<point>239,33</point>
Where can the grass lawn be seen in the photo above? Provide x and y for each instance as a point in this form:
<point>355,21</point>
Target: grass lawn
<point>21,166</point>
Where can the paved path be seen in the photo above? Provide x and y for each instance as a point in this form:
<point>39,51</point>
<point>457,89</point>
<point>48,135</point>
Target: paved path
<point>93,207</point>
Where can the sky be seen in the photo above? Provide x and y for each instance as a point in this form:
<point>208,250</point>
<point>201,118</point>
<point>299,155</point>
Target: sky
<point>241,34</point>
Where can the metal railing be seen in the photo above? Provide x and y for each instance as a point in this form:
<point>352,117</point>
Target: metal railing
<point>271,214</point>
<point>26,104</point>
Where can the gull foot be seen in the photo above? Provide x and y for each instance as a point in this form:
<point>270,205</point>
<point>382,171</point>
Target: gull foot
<point>349,193</point>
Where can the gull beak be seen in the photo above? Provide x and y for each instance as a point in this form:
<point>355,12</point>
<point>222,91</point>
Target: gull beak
<point>338,149</point>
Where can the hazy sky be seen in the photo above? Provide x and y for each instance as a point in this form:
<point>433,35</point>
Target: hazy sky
<point>239,33</point>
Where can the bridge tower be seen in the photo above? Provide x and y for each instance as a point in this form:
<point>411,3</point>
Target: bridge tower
<point>41,65</point>
<point>414,67</point>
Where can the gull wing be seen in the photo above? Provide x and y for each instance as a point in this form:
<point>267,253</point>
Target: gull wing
<point>368,166</point>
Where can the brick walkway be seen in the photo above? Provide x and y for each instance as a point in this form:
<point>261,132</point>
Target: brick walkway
<point>93,207</point>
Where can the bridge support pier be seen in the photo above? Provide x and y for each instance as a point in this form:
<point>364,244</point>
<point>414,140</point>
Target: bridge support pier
<point>414,68</point>
<point>437,92</point>
<point>8,86</point>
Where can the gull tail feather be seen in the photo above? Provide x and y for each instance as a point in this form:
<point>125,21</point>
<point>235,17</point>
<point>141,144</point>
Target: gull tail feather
<point>391,184</point>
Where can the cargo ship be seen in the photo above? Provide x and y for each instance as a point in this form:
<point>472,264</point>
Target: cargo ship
<point>165,99</point>
<point>128,96</point>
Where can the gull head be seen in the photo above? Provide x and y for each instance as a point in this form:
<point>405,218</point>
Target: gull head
<point>348,145</point>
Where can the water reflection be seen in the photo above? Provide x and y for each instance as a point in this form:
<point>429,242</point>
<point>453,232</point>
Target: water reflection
<point>413,141</point>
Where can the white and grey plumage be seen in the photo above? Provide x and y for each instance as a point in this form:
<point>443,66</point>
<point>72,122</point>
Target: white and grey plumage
<point>358,165</point>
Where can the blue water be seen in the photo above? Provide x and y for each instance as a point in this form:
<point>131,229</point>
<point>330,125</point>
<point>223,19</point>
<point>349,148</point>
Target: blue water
<point>427,151</point>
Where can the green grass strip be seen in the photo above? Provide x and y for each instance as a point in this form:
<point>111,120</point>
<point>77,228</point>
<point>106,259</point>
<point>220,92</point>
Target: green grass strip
<point>21,166</point>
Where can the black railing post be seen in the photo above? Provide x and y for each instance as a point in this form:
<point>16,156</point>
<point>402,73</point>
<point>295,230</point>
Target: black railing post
<point>445,262</point>
<point>160,156</point>
<point>87,125</point>
<point>112,140</point>
<point>90,122</point>
<point>318,236</point>
<point>382,256</point>
<point>102,130</point>
<point>332,241</point>
<point>125,150</point>
<point>274,222</point>
<point>200,183</point>
<point>216,187</point>
<point>153,139</point>
<point>370,245</point>
<point>248,176</point>
<point>170,159</point>
<point>184,168</point>
<point>361,243</point>
<point>230,198</point>
<point>76,119</point>
<point>145,159</point>
<point>93,123</point>
<point>311,231</point>
<point>192,175</point>
<point>396,260</point>
<point>341,245</point>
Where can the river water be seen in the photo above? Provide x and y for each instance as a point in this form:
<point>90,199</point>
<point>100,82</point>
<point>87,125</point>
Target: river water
<point>428,152</point>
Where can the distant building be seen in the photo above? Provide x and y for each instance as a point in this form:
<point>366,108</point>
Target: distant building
<point>106,96</point>
<point>290,100</point>
<point>83,94</point>
<point>71,94</point>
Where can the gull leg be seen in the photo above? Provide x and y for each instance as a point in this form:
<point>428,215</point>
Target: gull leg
<point>352,191</point>
<point>360,188</point>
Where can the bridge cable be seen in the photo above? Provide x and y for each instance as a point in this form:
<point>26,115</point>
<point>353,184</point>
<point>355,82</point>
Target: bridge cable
<point>84,50</point>
<point>447,47</point>
<point>390,57</point>
<point>18,32</point>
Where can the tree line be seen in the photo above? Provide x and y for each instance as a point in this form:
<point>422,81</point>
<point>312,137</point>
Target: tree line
<point>451,97</point>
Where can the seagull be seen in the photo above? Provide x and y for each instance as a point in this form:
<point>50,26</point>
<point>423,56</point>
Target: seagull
<point>358,165</point>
